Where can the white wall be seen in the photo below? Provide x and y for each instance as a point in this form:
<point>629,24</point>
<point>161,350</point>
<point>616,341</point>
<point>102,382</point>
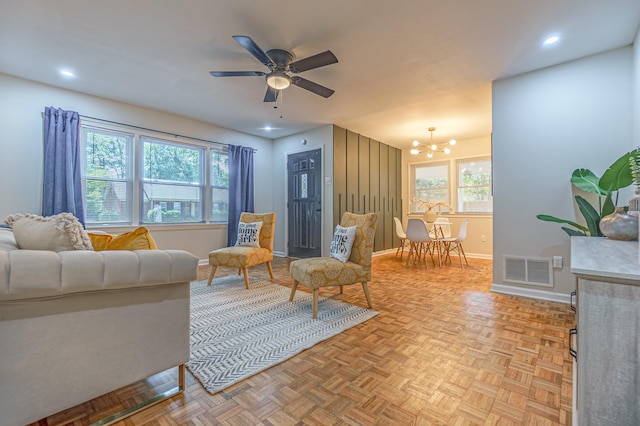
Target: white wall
<point>545,125</point>
<point>321,137</point>
<point>22,104</point>
<point>479,224</point>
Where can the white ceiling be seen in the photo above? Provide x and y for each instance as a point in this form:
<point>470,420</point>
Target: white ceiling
<point>403,66</point>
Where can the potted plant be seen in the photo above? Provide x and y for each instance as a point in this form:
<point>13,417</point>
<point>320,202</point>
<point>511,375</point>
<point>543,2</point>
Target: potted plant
<point>616,177</point>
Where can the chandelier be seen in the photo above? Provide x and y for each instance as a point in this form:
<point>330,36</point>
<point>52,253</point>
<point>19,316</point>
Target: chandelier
<point>432,147</point>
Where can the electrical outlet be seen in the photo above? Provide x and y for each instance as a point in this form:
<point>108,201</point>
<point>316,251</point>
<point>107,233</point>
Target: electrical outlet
<point>557,262</point>
<point>483,238</point>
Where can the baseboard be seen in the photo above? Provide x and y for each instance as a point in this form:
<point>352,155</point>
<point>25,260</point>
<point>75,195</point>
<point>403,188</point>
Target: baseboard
<point>203,262</point>
<point>279,254</point>
<point>531,293</point>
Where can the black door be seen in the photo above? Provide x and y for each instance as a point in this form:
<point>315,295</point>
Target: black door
<point>304,203</point>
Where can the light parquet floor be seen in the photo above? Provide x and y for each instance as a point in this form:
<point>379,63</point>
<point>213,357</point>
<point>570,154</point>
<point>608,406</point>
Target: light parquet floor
<point>443,351</point>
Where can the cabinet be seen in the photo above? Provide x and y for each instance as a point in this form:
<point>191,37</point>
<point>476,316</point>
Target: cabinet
<point>607,383</point>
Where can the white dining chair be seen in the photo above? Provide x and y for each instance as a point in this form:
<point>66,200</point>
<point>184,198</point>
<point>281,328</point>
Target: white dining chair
<point>401,235</point>
<point>420,243</point>
<point>454,244</point>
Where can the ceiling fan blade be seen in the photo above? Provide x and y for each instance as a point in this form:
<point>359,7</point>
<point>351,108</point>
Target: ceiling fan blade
<point>271,95</point>
<point>315,61</point>
<point>311,86</point>
<point>236,73</point>
<point>255,50</point>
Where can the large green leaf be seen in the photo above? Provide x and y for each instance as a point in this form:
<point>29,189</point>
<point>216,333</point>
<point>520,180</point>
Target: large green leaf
<point>608,207</point>
<point>591,216</point>
<point>548,218</point>
<point>587,181</point>
<point>573,232</point>
<point>618,175</point>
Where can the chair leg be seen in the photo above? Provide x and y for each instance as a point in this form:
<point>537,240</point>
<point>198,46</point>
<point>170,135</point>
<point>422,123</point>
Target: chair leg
<point>294,287</point>
<point>461,250</point>
<point>365,287</point>
<point>212,273</point>
<point>341,289</point>
<point>246,277</point>
<point>270,269</point>
<point>314,312</point>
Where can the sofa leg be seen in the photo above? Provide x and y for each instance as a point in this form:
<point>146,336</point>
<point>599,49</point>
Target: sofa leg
<point>114,418</point>
<point>245,271</point>
<point>365,287</point>
<point>314,314</point>
<point>294,287</point>
<point>212,273</point>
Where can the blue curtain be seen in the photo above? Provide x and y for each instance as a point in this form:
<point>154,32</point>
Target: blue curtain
<point>240,187</point>
<point>62,187</point>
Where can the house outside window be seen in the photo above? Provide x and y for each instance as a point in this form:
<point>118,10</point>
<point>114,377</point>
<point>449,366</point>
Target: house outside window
<point>173,182</point>
<point>474,186</point>
<point>430,182</point>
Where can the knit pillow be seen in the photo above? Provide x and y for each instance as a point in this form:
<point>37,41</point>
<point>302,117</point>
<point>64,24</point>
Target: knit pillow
<point>61,232</point>
<point>342,242</point>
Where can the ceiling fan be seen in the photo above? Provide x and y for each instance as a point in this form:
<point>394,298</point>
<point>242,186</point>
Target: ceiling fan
<point>280,62</point>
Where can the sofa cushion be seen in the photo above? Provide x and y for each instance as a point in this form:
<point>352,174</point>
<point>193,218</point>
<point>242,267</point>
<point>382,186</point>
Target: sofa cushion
<point>61,232</point>
<point>138,239</point>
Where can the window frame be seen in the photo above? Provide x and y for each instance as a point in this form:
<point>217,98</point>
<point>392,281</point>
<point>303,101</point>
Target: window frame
<point>459,182</point>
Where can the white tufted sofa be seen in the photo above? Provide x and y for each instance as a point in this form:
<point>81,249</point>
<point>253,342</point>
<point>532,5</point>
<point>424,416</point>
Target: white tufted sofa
<point>75,325</point>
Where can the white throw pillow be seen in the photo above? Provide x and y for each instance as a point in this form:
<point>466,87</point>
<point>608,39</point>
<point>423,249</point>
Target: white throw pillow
<point>342,242</point>
<point>249,234</point>
<point>61,232</point>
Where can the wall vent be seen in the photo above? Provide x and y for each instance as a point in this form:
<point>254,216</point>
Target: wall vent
<point>536,271</point>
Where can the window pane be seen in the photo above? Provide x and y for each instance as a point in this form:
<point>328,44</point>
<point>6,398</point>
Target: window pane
<point>474,186</point>
<point>430,183</point>
<point>106,175</point>
<point>219,186</point>
<point>164,161</point>
<point>172,182</point>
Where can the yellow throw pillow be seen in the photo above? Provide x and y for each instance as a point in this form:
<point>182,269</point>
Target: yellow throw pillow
<point>100,241</point>
<point>138,239</point>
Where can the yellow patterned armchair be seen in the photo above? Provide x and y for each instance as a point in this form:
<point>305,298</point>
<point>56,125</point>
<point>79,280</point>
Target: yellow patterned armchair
<point>243,257</point>
<point>319,272</point>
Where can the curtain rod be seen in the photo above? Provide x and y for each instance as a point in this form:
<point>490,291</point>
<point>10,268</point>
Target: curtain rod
<point>154,130</point>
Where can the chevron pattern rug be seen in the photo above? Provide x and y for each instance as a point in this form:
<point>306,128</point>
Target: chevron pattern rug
<point>236,333</point>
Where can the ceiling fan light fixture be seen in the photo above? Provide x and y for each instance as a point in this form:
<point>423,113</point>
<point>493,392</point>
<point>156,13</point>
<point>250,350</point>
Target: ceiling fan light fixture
<point>278,80</point>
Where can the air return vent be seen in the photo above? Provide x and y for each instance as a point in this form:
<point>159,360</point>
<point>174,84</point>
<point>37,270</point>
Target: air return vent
<point>528,270</point>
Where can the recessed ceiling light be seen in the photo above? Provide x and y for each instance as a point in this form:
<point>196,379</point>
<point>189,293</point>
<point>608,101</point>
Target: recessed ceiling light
<point>267,128</point>
<point>551,40</point>
<point>67,73</point>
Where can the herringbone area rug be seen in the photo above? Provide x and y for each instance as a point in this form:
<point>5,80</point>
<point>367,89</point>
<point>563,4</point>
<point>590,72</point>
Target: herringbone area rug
<point>236,333</point>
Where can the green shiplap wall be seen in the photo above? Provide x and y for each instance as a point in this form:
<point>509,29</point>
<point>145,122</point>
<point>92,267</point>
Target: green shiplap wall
<point>366,178</point>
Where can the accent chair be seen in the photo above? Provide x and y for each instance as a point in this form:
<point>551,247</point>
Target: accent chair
<point>318,272</point>
<point>243,257</point>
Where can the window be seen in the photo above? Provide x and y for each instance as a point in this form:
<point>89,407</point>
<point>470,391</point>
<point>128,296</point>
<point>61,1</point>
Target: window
<point>173,181</point>
<point>430,183</point>
<point>474,186</point>
<point>107,175</point>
